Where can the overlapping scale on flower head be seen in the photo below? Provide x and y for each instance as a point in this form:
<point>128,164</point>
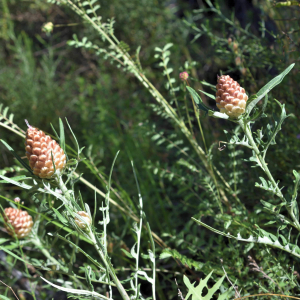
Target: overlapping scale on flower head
<point>231,98</point>
<point>38,148</point>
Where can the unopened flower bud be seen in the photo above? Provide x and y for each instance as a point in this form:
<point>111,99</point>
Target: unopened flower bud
<point>235,46</point>
<point>184,76</point>
<point>39,147</point>
<point>17,222</point>
<point>238,61</point>
<point>86,217</point>
<point>47,27</point>
<point>231,98</point>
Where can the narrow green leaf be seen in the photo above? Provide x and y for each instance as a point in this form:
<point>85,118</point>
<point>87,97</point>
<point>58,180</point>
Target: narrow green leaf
<point>127,253</point>
<point>267,88</point>
<point>14,255</point>
<point>76,142</point>
<point>22,162</point>
<point>16,178</point>
<point>268,205</point>
<point>53,163</point>
<point>208,84</point>
<point>97,264</point>
<point>56,134</point>
<point>3,240</point>
<point>260,111</point>
<point>19,184</point>
<point>4,298</point>
<point>208,95</point>
<point>198,100</point>
<point>75,291</point>
<point>277,127</point>
<point>265,238</point>
<point>275,81</point>
<point>296,182</point>
<point>62,140</point>
<point>60,217</point>
<point>5,110</point>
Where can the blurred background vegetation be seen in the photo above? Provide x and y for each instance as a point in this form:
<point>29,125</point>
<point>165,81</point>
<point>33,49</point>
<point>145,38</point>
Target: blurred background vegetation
<point>42,78</point>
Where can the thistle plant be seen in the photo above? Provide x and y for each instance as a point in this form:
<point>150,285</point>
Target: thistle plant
<point>192,178</point>
<point>47,161</point>
<point>259,143</point>
<point>118,53</point>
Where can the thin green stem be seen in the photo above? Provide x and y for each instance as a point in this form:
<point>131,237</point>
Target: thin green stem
<point>197,114</point>
<point>109,268</point>
<point>138,233</point>
<point>153,91</point>
<point>39,245</point>
<point>187,111</point>
<point>12,129</point>
<point>63,187</point>
<point>152,260</point>
<point>245,126</point>
<point>138,255</point>
<point>234,169</point>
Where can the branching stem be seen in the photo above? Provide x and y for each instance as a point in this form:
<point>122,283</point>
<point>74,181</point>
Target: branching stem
<point>109,268</point>
<point>245,126</point>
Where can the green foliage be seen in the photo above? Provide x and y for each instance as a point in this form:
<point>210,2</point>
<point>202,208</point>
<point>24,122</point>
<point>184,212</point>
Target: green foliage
<point>111,70</point>
<point>196,292</point>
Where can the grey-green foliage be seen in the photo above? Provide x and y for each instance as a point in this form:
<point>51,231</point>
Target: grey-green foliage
<point>192,191</point>
<point>196,292</point>
<point>262,237</point>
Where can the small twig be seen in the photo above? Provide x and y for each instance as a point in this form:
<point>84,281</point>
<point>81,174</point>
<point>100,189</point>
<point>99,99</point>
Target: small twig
<point>10,289</point>
<point>237,293</point>
<point>257,268</point>
<point>267,294</point>
<point>179,291</point>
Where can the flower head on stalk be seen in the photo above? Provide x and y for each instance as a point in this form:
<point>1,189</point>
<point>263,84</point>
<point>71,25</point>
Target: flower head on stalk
<point>43,153</point>
<point>184,76</point>
<point>17,222</point>
<point>231,98</point>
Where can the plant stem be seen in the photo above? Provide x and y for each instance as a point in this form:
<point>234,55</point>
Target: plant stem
<point>128,62</point>
<point>153,261</point>
<point>187,112</point>
<point>197,114</point>
<point>48,255</point>
<point>63,187</point>
<point>109,268</point>
<point>245,126</point>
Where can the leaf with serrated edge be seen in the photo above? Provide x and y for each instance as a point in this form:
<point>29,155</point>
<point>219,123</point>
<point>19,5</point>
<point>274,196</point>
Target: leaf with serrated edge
<point>290,248</point>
